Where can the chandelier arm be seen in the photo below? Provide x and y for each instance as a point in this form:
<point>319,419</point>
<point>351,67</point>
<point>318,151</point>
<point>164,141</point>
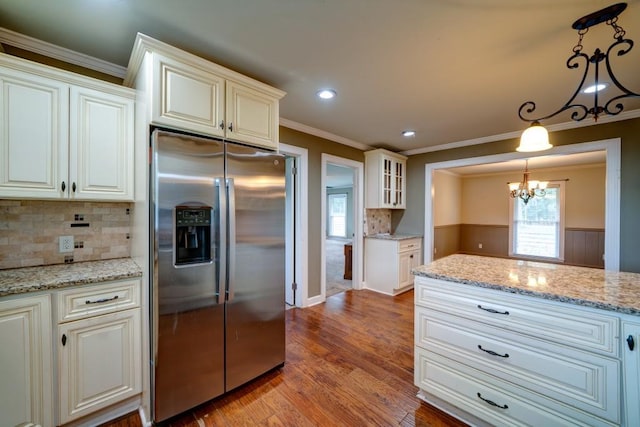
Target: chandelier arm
<point>614,79</point>
<point>582,110</point>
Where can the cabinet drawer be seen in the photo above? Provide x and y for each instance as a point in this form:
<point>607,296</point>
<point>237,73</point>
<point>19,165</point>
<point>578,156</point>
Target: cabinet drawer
<point>409,245</point>
<point>581,379</point>
<point>562,323</point>
<point>498,402</point>
<point>80,303</point>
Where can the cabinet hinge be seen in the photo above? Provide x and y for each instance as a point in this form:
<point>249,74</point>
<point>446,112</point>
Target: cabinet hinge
<point>294,286</point>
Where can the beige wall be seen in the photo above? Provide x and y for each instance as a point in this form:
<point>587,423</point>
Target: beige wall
<point>447,199</point>
<point>485,198</point>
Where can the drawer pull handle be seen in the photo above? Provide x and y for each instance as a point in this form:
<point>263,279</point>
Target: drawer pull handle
<point>630,342</point>
<point>492,403</point>
<point>491,310</point>
<point>100,301</point>
<point>493,353</point>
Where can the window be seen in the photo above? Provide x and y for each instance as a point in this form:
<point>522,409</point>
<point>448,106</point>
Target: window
<point>536,229</point>
<point>338,215</point>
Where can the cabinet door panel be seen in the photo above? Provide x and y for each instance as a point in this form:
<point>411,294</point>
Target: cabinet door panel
<point>631,366</point>
<point>25,361</point>
<point>33,140</point>
<point>187,97</point>
<point>405,278</point>
<point>99,362</point>
<point>251,116</point>
<point>101,145</point>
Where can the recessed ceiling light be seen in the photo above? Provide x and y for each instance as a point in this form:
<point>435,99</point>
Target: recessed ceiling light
<point>409,133</point>
<point>594,88</point>
<point>326,93</point>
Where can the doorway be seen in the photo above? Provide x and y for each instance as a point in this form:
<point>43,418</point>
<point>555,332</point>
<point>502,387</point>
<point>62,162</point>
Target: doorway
<point>341,224</point>
<point>296,232</point>
<point>612,183</point>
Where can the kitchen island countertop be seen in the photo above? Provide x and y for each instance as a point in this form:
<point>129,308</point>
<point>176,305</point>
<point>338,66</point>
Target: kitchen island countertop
<point>46,277</point>
<point>592,287</point>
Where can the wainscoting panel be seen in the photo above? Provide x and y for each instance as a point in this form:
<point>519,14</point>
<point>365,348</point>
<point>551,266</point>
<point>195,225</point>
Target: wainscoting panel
<point>584,247</point>
<point>446,240</point>
<point>494,239</point>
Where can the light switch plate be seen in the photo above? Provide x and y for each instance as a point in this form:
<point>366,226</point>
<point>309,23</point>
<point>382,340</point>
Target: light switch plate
<point>66,244</point>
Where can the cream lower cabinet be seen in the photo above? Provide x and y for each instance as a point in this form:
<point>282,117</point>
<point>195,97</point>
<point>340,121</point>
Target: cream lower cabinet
<point>64,136</point>
<point>631,370</point>
<point>494,358</point>
<point>99,347</point>
<point>26,369</point>
<point>388,264</point>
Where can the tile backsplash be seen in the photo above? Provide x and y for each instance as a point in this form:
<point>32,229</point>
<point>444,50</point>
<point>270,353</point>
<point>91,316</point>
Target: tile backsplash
<point>378,221</point>
<point>30,230</point>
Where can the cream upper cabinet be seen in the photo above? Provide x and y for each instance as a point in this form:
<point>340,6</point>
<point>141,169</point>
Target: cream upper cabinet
<point>187,97</point>
<point>631,370</point>
<point>26,369</point>
<point>100,145</point>
<point>35,114</point>
<point>385,179</point>
<point>63,136</point>
<point>189,93</point>
<point>252,115</point>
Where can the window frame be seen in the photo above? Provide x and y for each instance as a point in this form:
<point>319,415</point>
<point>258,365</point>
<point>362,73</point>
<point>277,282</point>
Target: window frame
<point>561,225</point>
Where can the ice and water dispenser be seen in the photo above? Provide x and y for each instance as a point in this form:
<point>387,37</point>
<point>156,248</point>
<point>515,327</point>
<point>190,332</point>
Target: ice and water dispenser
<point>193,235</point>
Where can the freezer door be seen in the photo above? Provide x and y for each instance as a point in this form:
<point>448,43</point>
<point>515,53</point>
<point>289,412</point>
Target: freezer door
<point>187,318</point>
<point>255,326</point>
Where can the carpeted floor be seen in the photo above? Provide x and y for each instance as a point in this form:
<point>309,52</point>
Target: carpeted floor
<point>336,283</point>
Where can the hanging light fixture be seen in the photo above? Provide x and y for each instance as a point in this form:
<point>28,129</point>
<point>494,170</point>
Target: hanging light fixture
<point>536,138</point>
<point>527,189</point>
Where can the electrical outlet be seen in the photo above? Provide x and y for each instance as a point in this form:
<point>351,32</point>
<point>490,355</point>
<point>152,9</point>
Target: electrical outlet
<point>479,245</point>
<point>66,244</point>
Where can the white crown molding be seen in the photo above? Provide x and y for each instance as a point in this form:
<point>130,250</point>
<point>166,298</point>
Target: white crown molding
<point>63,54</point>
<point>626,115</point>
<point>323,134</point>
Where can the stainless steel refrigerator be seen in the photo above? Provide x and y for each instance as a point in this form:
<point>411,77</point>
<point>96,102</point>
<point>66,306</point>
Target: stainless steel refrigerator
<point>217,227</point>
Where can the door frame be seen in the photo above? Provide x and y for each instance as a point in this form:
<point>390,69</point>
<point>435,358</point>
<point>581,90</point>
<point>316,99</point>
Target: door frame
<point>358,220</point>
<point>612,147</point>
<point>301,255</point>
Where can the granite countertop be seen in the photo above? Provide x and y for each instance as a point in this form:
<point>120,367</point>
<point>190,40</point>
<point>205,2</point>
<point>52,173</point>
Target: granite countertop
<point>592,287</point>
<point>387,236</point>
<point>33,279</point>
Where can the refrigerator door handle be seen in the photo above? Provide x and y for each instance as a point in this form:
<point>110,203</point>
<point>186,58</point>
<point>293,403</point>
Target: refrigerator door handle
<point>231,249</point>
<point>222,240</point>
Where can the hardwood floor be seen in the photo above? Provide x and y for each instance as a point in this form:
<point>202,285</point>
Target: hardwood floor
<point>349,363</point>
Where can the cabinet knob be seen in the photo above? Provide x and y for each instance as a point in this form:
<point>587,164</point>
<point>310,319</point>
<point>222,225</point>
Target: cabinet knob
<point>411,256</point>
<point>64,186</point>
<point>231,127</point>
<point>73,187</point>
<point>221,124</point>
<point>64,340</point>
<point>630,342</point>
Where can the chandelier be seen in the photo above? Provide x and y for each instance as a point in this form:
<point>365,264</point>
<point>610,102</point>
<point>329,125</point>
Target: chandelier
<point>527,189</point>
<point>536,137</point>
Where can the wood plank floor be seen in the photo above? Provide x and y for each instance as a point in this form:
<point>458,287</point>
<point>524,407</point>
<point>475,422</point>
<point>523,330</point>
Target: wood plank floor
<point>349,363</point>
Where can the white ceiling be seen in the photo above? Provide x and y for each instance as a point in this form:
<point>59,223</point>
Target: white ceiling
<point>453,70</point>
